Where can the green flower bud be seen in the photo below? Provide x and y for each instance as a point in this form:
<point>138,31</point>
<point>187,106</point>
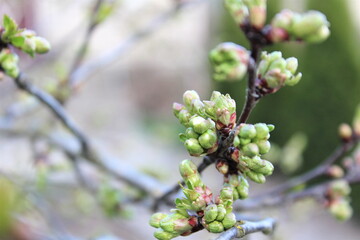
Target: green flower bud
<point>238,10</point>
<point>236,141</point>
<point>211,213</point>
<point>177,107</point>
<point>258,14</point>
<point>175,223</point>
<point>262,130</point>
<point>162,235</point>
<point>259,165</point>
<point>236,195</point>
<point>189,96</point>
<point>271,127</point>
<point>256,177</point>
<point>244,141</point>
<point>247,131</point>
<point>264,146</point>
<point>197,107</point>
<point>229,220</point>
<point>319,36</point>
<point>156,218</point>
<point>215,227</point>
<point>226,193</point>
<point>250,150</point>
<point>341,210</point>
<point>292,81</point>
<point>41,45</point>
<point>292,64</point>
<point>283,20</point>
<point>230,62</point>
<point>200,124</point>
<point>189,170</point>
<point>190,133</point>
<point>193,146</point>
<point>308,23</point>
<point>208,139</point>
<point>221,212</point>
<point>29,46</point>
<point>184,117</point>
<point>340,188</point>
<point>243,188</point>
<point>278,64</point>
<point>9,63</point>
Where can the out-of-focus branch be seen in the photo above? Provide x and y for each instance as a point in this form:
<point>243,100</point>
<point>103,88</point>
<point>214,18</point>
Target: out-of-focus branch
<point>85,44</point>
<point>244,228</point>
<point>84,71</point>
<point>54,106</point>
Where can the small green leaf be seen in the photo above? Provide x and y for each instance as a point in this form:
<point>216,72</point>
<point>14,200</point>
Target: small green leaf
<point>10,27</point>
<point>17,41</point>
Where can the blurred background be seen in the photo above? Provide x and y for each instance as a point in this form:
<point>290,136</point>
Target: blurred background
<point>138,62</point>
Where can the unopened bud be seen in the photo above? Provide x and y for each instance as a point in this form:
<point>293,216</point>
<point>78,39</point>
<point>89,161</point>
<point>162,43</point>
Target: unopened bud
<point>292,64</point>
<point>236,141</point>
<point>250,150</point>
<point>341,210</point>
<point>222,166</point>
<point>193,146</point>
<point>335,171</point>
<point>309,23</point>
<point>177,107</point>
<point>215,227</point>
<point>345,131</point>
<point>256,177</point>
<point>208,139</point>
<point>283,19</point>
<point>238,10</point>
<point>264,146</point>
<point>211,213</point>
<point>258,16</point>
<point>243,188</point>
<point>162,235</point>
<point>229,220</point>
<point>340,188</point>
<point>184,117</point>
<point>262,130</point>
<point>221,212</point>
<point>247,131</point>
<point>156,218</point>
<point>226,193</point>
<point>188,169</point>
<point>41,45</point>
<point>190,133</point>
<point>200,124</point>
<point>175,223</point>
<point>189,96</point>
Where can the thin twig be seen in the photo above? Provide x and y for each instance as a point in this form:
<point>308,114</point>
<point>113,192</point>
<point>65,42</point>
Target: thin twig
<point>110,56</point>
<point>244,228</point>
<point>85,44</point>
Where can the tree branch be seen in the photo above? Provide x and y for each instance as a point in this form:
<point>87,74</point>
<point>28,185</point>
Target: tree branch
<point>244,228</point>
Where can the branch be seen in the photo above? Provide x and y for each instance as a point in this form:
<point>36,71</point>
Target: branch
<point>85,44</point>
<point>244,228</point>
<point>54,106</point>
<point>110,56</point>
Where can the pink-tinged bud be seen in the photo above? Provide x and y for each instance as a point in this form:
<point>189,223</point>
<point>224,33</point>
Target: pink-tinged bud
<point>222,166</point>
<point>277,35</point>
<point>335,171</point>
<point>156,218</point>
<point>258,16</point>
<point>345,132</point>
<point>189,96</point>
<point>177,107</point>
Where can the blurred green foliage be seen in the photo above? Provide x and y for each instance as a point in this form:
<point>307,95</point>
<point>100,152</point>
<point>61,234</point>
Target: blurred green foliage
<point>328,92</point>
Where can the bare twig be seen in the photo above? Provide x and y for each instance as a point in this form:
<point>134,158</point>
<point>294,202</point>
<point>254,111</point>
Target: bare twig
<point>110,56</point>
<point>244,228</point>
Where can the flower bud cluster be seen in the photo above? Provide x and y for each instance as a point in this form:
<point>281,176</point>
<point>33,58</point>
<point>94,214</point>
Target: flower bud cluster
<point>274,72</point>
<point>248,11</point>
<point>230,62</point>
<point>311,26</point>
<point>338,200</point>
<point>202,118</point>
<point>24,39</point>
<point>239,186</point>
<point>250,143</point>
<point>215,216</point>
<point>9,63</point>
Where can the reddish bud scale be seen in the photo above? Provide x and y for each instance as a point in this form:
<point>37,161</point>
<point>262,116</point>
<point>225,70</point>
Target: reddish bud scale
<point>235,155</point>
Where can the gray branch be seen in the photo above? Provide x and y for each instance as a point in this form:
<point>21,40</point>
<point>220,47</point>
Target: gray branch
<point>244,228</point>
